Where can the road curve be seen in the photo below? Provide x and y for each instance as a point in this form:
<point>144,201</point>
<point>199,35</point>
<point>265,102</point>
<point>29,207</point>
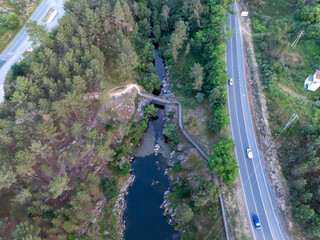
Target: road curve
<point>21,42</point>
<point>258,193</point>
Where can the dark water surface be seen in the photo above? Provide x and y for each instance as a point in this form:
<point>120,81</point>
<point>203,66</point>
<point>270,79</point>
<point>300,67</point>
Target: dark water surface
<point>159,64</point>
<point>143,217</point>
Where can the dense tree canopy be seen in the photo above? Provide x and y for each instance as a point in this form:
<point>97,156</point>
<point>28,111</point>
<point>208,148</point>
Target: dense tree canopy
<point>223,162</point>
<point>51,137</point>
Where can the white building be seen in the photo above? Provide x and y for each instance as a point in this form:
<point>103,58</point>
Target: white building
<point>313,81</point>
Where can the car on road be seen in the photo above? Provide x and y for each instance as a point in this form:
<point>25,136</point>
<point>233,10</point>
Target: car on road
<point>249,153</point>
<point>230,81</point>
<point>256,222</point>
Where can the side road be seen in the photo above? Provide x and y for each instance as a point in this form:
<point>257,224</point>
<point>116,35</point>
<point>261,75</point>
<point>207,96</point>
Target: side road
<point>21,43</point>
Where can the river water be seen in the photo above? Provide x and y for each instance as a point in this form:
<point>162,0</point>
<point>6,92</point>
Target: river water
<point>143,217</point>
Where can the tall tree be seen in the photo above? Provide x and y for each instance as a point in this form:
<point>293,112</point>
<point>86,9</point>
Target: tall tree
<point>23,196</point>
<point>58,185</point>
<point>36,32</point>
<point>222,162</point>
<point>11,20</point>
<point>197,74</point>
<point>26,231</point>
<point>184,213</point>
<point>7,177</point>
<point>165,14</point>
<point>177,38</point>
<point>118,15</point>
<point>204,191</point>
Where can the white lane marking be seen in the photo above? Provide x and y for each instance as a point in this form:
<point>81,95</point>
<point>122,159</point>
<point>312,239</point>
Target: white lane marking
<point>10,53</point>
<point>237,20</point>
<point>242,183</point>
<point>255,143</point>
<point>21,36</point>
<point>245,127</point>
<point>263,175</point>
<point>245,163</point>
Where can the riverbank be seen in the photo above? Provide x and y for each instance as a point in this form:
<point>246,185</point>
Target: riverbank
<point>143,218</point>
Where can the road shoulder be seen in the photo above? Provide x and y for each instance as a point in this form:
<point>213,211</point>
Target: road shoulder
<point>260,116</point>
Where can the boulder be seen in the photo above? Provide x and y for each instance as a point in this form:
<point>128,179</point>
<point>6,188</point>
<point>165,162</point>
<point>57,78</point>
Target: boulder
<point>180,157</point>
<point>170,108</point>
<point>180,147</point>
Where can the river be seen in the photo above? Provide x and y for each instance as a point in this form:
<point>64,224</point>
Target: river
<point>143,217</point>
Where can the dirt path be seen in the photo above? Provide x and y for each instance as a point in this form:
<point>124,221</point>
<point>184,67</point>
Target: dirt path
<point>131,86</point>
<point>113,93</point>
<point>128,88</point>
<point>293,93</point>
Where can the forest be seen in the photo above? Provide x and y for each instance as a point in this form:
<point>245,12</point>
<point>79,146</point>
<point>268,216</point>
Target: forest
<point>191,37</point>
<point>275,27</point>
<point>51,145</point>
<point>52,142</point>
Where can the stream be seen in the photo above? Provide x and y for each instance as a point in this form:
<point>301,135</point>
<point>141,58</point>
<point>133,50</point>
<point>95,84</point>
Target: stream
<point>143,216</point>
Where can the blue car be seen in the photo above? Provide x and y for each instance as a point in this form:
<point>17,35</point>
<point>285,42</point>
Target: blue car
<point>256,222</point>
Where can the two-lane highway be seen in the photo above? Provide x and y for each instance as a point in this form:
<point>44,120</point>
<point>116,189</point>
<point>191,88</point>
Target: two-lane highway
<point>257,191</point>
<point>21,42</point>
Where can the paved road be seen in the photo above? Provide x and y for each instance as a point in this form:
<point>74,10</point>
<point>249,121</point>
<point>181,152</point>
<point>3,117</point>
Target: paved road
<point>20,44</point>
<point>257,191</point>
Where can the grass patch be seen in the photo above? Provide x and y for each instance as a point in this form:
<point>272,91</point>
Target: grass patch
<point>195,118</point>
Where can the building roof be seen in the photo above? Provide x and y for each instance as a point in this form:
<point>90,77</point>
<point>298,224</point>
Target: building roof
<point>318,74</point>
<point>311,84</point>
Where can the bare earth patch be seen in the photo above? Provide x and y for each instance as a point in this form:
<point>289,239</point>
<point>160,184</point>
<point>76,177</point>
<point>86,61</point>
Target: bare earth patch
<point>293,93</point>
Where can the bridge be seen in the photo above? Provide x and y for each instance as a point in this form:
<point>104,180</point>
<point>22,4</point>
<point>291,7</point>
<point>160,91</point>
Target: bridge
<point>203,153</point>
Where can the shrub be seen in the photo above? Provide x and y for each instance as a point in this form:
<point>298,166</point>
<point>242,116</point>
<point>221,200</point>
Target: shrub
<point>109,188</point>
<point>184,213</point>
<point>170,130</point>
<point>176,167</point>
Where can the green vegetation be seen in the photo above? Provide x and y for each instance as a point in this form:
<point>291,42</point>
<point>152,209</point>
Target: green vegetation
<point>194,200</point>
<point>282,21</point>
<point>184,213</point>
<point>170,130</point>
<point>204,191</point>
<point>190,36</point>
<point>13,15</point>
<point>222,162</point>
<point>137,130</point>
<point>109,188</point>
<point>54,147</point>
<point>192,40</point>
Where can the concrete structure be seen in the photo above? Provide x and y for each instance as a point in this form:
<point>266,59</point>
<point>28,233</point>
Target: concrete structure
<point>51,15</point>
<point>244,14</point>
<point>312,82</point>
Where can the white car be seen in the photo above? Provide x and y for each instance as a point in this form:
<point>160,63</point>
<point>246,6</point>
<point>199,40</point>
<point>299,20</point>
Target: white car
<point>249,153</point>
<point>230,81</point>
